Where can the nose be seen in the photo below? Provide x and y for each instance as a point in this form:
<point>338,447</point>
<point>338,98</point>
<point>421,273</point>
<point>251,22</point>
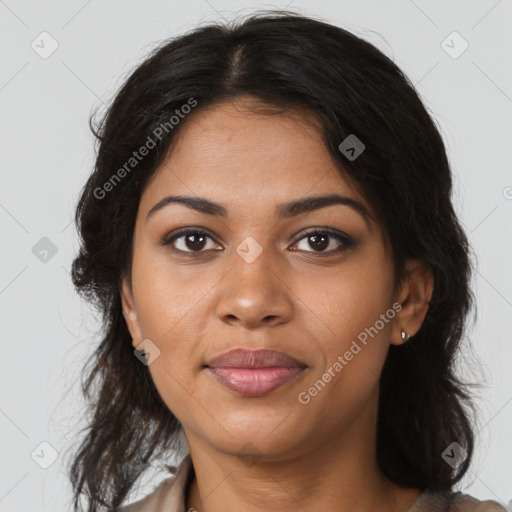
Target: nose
<point>254,294</point>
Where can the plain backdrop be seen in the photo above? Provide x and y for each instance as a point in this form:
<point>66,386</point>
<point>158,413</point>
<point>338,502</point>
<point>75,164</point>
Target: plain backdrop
<point>457,53</point>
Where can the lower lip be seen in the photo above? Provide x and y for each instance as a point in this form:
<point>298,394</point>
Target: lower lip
<point>254,382</point>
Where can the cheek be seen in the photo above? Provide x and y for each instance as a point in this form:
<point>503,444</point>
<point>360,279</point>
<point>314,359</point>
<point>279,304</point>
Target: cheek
<point>354,296</point>
<point>177,390</point>
<point>355,309</point>
<point>355,347</point>
<point>169,306</point>
<point>166,297</point>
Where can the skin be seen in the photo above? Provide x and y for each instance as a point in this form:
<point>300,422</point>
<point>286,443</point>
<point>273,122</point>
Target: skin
<point>318,456</point>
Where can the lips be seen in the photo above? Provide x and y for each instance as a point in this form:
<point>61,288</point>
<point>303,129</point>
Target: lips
<point>261,358</point>
<point>254,373</point>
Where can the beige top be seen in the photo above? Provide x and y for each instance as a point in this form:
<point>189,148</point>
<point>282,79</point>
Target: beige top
<point>170,496</point>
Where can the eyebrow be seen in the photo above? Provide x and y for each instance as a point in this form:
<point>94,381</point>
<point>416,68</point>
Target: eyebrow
<point>283,211</point>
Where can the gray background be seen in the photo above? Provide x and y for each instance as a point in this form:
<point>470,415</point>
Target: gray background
<point>47,152</point>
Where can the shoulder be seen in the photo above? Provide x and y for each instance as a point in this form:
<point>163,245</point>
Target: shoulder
<point>168,496</point>
<point>467,503</point>
<point>152,500</point>
<point>447,501</point>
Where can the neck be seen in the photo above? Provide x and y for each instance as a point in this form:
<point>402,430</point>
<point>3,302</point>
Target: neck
<point>337,476</point>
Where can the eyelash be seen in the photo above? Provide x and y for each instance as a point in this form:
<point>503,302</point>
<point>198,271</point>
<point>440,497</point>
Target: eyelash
<point>346,241</point>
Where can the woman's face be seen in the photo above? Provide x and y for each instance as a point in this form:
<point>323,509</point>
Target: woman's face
<point>259,279</point>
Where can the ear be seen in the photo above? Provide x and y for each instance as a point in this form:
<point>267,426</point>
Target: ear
<point>414,296</point>
<point>130,313</point>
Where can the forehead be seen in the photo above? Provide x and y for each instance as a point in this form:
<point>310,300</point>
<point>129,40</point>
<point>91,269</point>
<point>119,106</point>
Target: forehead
<point>230,151</point>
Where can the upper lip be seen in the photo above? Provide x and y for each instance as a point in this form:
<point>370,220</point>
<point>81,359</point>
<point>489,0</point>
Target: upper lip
<point>254,358</point>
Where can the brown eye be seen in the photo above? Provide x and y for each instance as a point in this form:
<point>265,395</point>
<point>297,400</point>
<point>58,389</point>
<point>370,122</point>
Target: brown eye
<point>190,241</point>
<point>320,240</point>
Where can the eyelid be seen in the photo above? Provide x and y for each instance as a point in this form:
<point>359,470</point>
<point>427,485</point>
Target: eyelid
<point>170,238</point>
<point>346,241</point>
<point>324,229</point>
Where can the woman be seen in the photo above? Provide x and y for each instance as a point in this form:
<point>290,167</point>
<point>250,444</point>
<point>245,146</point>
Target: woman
<point>270,237</point>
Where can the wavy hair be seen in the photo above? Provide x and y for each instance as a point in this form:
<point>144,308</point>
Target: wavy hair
<point>287,61</point>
